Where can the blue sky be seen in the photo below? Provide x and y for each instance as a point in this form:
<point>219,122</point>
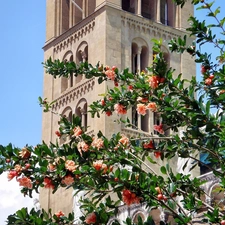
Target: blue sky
<point>22,36</point>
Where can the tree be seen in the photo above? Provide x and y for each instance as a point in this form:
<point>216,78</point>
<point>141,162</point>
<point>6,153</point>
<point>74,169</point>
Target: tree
<point>99,165</point>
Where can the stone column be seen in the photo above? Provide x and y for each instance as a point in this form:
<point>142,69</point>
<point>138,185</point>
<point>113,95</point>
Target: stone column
<point>83,9</point>
<point>139,8</point>
<point>139,60</point>
<point>133,63</point>
<point>83,117</point>
<point>158,13</point>
<point>139,121</point>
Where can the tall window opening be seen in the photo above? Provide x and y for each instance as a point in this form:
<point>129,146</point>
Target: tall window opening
<point>79,11</point>
<point>68,114</point>
<point>81,56</point>
<point>129,5</point>
<point>148,8</point>
<point>65,15</point>
<point>81,111</point>
<point>164,12</point>
<point>65,82</point>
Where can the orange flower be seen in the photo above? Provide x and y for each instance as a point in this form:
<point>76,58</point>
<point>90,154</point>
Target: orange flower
<point>110,74</point>
<point>51,167</point>
<point>77,131</point>
<point>68,180</point>
<point>24,153</point>
<point>25,182</point>
<point>154,81</point>
<point>59,214</point>
<point>70,165</point>
<point>48,183</point>
<point>82,146</point>
<point>130,198</point>
<point>120,109</point>
<point>91,218</point>
<point>99,165</point>
<point>97,143</point>
<point>143,100</point>
<point>124,140</point>
<point>18,168</point>
<point>141,109</point>
<point>208,81</point>
<point>12,174</point>
<point>152,106</point>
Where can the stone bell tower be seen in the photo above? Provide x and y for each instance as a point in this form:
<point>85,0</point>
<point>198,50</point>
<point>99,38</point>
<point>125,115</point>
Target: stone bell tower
<point>114,32</point>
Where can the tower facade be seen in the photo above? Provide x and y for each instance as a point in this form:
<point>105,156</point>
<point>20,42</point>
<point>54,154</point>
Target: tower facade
<point>113,32</point>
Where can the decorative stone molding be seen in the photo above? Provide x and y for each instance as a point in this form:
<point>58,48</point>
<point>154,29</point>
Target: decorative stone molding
<point>149,27</point>
<point>75,36</point>
<point>74,93</point>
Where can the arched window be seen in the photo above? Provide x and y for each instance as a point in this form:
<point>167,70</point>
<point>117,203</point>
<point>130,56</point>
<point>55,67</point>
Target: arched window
<point>137,216</point>
<point>217,197</point>
<point>139,55</point>
<point>67,113</point>
<point>148,9</point>
<point>81,56</point>
<point>81,111</point>
<point>65,82</point>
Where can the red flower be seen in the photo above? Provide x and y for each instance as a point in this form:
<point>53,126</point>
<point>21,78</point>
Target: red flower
<point>91,218</point>
<point>108,113</point>
<point>48,183</point>
<point>59,214</point>
<point>12,174</point>
<point>25,182</point>
<point>130,198</point>
<point>116,83</point>
<point>149,145</point>
<point>130,87</point>
<point>24,153</point>
<point>110,74</point>
<point>159,128</point>
<point>103,102</point>
<point>157,154</point>
<point>58,133</point>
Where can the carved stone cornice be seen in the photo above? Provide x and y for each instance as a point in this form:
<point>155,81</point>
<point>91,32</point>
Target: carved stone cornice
<point>74,93</point>
<point>150,27</point>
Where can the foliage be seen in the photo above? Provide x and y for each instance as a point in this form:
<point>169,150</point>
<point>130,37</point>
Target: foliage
<point>100,165</point>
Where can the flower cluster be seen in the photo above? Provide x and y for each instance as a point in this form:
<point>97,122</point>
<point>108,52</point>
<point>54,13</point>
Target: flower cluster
<point>91,218</point>
<point>82,147</point>
<point>70,165</point>
<point>110,72</point>
<point>120,109</point>
<point>97,143</point>
<point>59,214</point>
<point>159,128</point>
<point>154,81</point>
<point>77,131</point>
<point>142,108</point>
<point>130,198</point>
<point>68,180</point>
<point>25,182</point>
